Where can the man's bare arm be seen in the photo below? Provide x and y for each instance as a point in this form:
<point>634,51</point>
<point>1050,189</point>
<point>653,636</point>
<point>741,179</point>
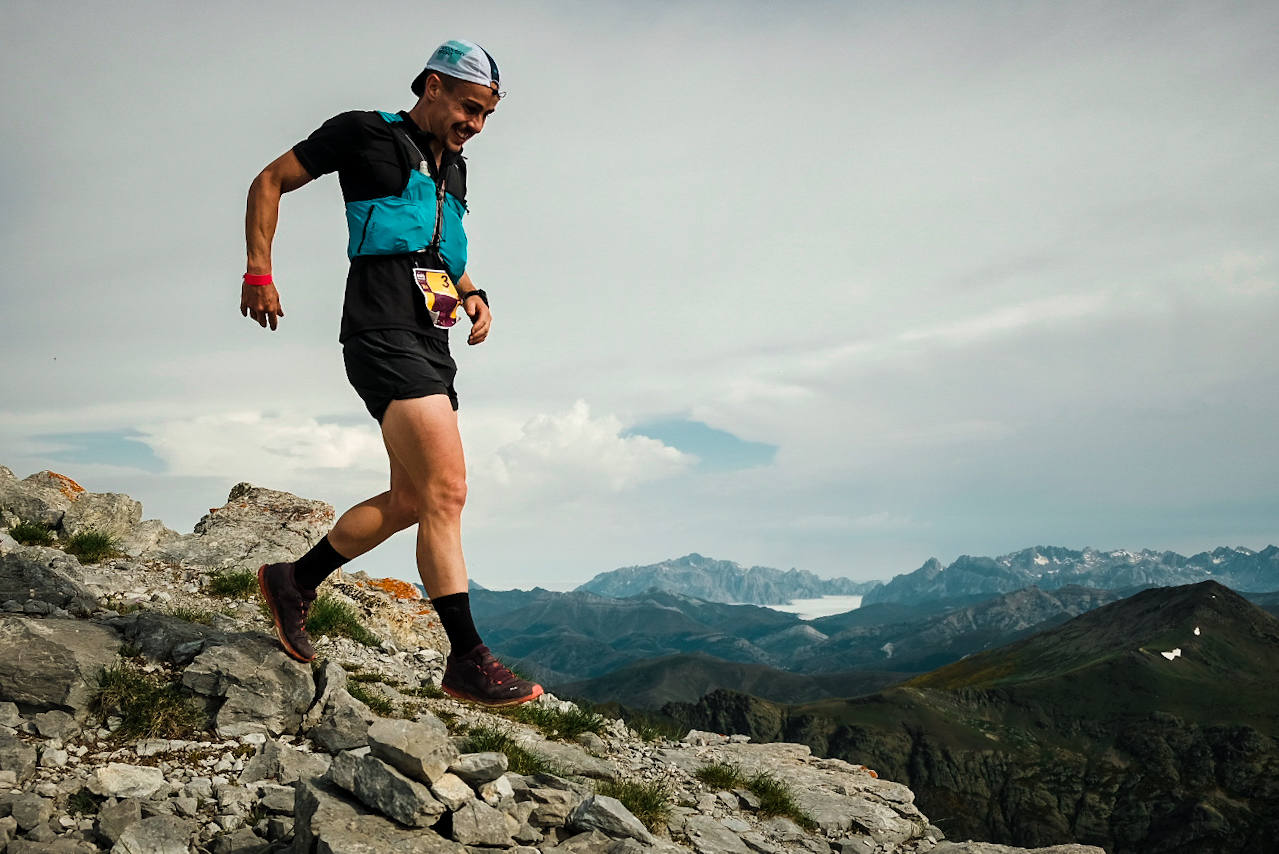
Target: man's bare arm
<point>282,175</point>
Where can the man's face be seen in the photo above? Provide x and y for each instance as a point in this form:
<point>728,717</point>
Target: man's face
<point>455,115</point>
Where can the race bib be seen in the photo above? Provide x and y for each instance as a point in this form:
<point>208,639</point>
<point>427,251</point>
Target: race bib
<point>440,295</point>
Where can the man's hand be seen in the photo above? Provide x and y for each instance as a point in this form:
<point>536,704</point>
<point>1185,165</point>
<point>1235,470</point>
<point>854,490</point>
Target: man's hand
<point>262,303</point>
<point>480,319</point>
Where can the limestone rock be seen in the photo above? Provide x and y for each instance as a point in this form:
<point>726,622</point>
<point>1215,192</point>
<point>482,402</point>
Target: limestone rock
<point>418,750</point>
<point>282,763</point>
<point>344,724</point>
<point>118,780</point>
<point>163,637</point>
<point>161,834</point>
<point>452,791</point>
<point>17,756</point>
<point>37,574</point>
<point>56,724</point>
<point>607,815</point>
<point>42,498</point>
<point>53,663</point>
<point>573,759</point>
<point>264,689</point>
<point>242,841</point>
<point>479,768</point>
<point>329,680</point>
<point>107,512</point>
<point>30,810</point>
<point>710,837</point>
<point>114,818</point>
<point>146,538</point>
<point>391,793</point>
<point>254,527</point>
<point>326,822</point>
<point>477,823</point>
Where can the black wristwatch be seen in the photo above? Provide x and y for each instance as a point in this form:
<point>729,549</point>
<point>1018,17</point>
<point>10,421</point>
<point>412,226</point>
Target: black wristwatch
<point>478,292</point>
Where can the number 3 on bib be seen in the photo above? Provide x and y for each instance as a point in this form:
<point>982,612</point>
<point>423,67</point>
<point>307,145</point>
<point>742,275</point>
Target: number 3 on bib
<point>440,295</point>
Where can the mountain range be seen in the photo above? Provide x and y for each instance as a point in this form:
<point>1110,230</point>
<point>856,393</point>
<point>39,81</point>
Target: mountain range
<point>722,581</point>
<point>1146,726</point>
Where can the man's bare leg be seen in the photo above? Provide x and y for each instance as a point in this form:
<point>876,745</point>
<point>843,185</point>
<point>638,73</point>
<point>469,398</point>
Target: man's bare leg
<point>370,522</point>
<point>422,437</point>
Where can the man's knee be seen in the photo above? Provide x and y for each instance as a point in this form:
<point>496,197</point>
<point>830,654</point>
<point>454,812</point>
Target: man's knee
<point>444,495</point>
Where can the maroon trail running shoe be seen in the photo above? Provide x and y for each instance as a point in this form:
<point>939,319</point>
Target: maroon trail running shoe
<point>479,677</point>
<point>289,606</point>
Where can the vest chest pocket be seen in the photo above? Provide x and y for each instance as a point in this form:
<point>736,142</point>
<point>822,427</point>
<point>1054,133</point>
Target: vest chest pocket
<point>393,225</point>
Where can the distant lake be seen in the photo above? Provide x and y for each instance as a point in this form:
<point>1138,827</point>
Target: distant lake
<point>824,606</point>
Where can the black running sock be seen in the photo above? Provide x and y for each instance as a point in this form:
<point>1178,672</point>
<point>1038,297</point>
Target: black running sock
<point>316,565</point>
<point>455,616</point>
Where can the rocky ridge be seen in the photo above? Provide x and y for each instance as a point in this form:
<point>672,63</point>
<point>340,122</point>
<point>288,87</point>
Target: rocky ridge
<point>287,758</point>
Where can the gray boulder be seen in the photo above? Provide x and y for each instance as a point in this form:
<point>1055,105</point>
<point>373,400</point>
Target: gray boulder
<point>451,791</point>
<point>114,818</point>
<point>326,822</point>
<point>329,679</point>
<point>607,815</point>
<point>53,663</point>
<point>416,749</point>
<point>164,637</point>
<point>282,763</point>
<point>17,756</point>
<point>30,810</point>
<point>992,848</point>
<point>117,780</point>
<point>477,823</point>
<point>242,841</point>
<point>37,574</point>
<point>108,512</point>
<point>161,834</point>
<point>42,498</point>
<point>254,527</point>
<point>479,768</point>
<point>263,690</point>
<point>707,834</point>
<point>345,723</point>
<point>56,724</point>
<point>391,793</point>
<point>146,538</point>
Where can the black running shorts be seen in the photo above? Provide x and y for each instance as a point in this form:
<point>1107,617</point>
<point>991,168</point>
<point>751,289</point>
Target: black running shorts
<point>397,364</point>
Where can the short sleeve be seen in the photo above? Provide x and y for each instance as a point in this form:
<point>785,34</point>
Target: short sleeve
<point>332,144</point>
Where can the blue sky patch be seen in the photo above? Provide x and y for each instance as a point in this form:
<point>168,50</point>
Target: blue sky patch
<point>110,447</point>
<point>717,450</point>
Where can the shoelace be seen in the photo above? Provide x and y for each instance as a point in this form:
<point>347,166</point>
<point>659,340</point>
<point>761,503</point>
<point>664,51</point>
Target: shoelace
<point>306,610</point>
<point>495,670</point>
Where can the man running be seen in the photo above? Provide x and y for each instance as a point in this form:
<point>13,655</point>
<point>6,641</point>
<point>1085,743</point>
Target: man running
<point>404,183</point>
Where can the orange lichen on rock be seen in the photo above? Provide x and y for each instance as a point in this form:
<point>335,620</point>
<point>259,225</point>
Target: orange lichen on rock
<point>65,485</point>
<point>396,588</point>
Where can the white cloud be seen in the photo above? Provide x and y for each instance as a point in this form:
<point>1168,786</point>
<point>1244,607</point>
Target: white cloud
<point>571,453</point>
<point>267,447</point>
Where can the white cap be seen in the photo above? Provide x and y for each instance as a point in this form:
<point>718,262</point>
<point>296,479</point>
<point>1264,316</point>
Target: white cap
<point>463,60</point>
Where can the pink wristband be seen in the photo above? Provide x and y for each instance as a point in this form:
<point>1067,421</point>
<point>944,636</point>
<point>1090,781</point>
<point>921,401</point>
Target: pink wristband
<point>251,279</point>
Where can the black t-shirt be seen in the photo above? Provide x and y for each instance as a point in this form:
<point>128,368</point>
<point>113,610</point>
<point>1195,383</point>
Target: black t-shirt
<point>371,162</point>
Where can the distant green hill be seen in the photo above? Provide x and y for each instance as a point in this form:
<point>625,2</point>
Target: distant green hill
<point>1086,732</point>
<point>652,683</point>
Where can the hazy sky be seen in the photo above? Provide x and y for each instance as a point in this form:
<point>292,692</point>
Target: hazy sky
<point>839,286</point>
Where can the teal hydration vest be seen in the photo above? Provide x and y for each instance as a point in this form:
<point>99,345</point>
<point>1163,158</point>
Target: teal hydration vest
<point>425,217</point>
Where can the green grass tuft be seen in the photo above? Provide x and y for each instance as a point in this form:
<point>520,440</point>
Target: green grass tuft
<point>31,534</point>
<point>335,618</point>
<point>650,802</point>
<point>92,546</point>
<point>654,729</point>
<point>367,677</point>
<point>483,739</point>
<point>554,723</point>
<point>84,803</point>
<point>427,689</point>
<point>775,797</point>
<point>193,615</point>
<point>721,776</point>
<point>235,583</point>
<point>148,707</point>
<point>376,702</point>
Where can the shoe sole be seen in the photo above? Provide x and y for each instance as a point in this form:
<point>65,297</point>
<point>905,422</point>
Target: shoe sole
<point>275,618</point>
<point>537,692</point>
